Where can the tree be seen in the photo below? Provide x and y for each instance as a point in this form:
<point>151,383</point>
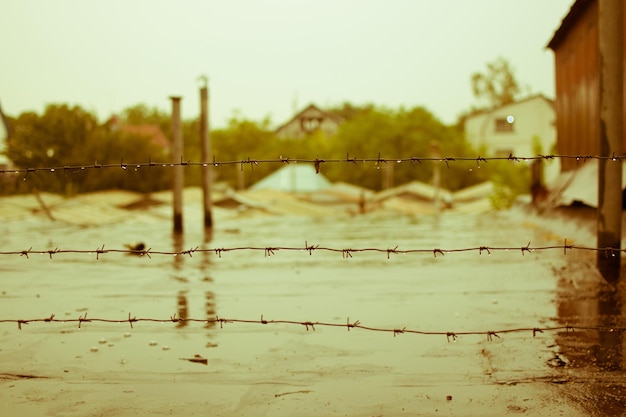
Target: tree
<point>49,139</point>
<point>65,137</point>
<point>497,86</point>
<point>392,134</point>
<point>240,140</point>
<point>348,111</point>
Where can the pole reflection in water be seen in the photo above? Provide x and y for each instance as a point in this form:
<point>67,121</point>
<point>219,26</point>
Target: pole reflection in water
<point>183,309</point>
<point>210,311</point>
<point>608,352</point>
<point>209,296</point>
<point>184,273</point>
<point>594,359</point>
<point>178,240</point>
<point>181,299</point>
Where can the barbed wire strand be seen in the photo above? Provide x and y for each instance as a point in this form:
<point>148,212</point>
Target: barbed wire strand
<point>311,325</point>
<point>310,249</point>
<point>317,162</point>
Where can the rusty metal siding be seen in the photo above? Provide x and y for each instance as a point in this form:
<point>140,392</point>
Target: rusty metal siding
<point>576,59</point>
<point>577,73</point>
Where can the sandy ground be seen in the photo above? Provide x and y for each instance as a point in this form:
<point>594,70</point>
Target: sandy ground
<point>109,369</point>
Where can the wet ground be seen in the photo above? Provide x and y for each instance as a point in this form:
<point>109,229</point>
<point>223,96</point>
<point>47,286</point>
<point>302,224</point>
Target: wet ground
<point>291,369</point>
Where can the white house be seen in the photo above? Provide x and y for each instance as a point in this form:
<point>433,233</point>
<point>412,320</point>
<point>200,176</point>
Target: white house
<point>525,128</point>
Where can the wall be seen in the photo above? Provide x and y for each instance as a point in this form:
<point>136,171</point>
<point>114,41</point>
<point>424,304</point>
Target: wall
<point>577,69</point>
<point>533,117</point>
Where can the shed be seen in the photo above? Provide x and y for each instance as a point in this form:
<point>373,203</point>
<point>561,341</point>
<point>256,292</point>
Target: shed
<point>577,70</point>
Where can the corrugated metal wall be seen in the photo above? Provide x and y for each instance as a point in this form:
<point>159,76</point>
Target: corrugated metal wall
<point>577,87</point>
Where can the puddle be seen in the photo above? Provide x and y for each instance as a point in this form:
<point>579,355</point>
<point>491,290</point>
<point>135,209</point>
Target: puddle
<point>257,365</point>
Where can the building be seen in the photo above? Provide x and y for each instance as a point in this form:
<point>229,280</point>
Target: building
<point>577,71</point>
<point>523,128</point>
<point>309,121</point>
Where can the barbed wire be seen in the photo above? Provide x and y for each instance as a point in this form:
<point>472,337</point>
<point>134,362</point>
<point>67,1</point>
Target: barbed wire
<point>311,325</point>
<point>317,162</point>
<point>310,249</point>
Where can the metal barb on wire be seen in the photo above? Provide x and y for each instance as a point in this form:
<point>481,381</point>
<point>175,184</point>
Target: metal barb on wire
<point>310,248</point>
<point>491,335</point>
<point>316,164</point>
<point>389,251</point>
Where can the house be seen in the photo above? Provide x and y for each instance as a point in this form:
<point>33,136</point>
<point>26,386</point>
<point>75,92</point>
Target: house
<point>577,70</point>
<point>522,128</point>
<point>308,121</point>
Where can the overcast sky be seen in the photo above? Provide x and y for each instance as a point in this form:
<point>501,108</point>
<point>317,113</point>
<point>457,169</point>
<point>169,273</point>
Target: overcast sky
<point>263,57</point>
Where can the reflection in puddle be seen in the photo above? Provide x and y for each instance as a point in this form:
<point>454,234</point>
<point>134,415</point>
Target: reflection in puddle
<point>183,310</point>
<point>210,308</point>
<point>595,355</point>
<point>183,274</point>
<point>372,288</point>
<point>178,241</point>
<point>604,346</point>
<point>608,351</point>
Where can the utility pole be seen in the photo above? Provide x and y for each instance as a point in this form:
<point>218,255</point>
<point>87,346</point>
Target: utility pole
<point>205,139</point>
<point>611,49</point>
<point>177,156</point>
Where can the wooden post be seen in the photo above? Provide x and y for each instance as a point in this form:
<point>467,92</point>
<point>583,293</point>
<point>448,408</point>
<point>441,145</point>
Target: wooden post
<point>177,156</point>
<point>611,47</point>
<point>205,138</point>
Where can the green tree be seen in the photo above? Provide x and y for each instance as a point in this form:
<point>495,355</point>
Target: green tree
<point>64,137</point>
<point>53,139</point>
<point>243,140</point>
<point>140,114</point>
<point>50,139</point>
<point>496,86</point>
<point>348,111</point>
<point>393,134</point>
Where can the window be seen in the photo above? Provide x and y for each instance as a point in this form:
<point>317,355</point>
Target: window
<point>310,124</point>
<point>505,124</point>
